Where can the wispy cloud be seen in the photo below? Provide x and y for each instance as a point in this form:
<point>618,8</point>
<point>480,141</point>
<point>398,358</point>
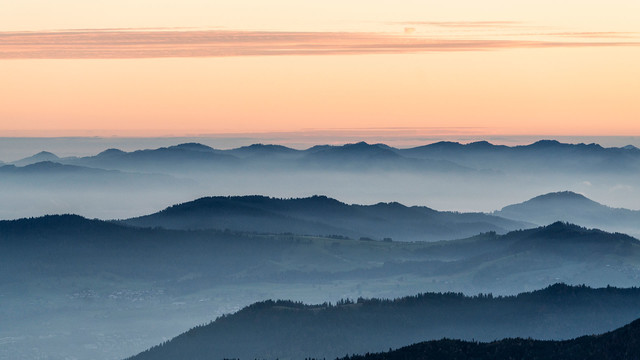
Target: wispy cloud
<point>596,34</point>
<point>120,44</point>
<point>465,24</point>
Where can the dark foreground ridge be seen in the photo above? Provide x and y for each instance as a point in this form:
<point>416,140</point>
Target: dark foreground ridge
<point>620,344</point>
<point>290,330</point>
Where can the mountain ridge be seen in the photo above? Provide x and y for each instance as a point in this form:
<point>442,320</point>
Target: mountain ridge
<point>285,329</point>
<point>618,344</point>
<point>575,208</point>
<point>322,215</point>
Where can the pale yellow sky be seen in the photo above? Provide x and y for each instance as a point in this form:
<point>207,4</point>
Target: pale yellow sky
<point>526,67</point>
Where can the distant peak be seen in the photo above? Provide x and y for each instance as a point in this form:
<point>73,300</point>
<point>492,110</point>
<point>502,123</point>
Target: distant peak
<point>561,195</point>
<point>41,156</point>
<point>359,144</point>
<point>46,154</point>
<point>192,147</point>
<point>111,152</point>
<point>261,146</point>
<point>545,143</point>
<point>630,147</point>
<point>480,144</point>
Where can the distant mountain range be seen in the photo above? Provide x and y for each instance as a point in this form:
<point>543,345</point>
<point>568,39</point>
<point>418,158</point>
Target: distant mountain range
<point>320,215</point>
<point>545,155</point>
<point>288,330</point>
<point>620,344</point>
<point>50,174</point>
<point>574,208</point>
<point>39,157</point>
<point>541,155</point>
<point>477,176</point>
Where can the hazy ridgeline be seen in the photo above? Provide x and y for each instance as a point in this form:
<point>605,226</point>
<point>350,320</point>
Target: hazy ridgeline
<point>443,176</point>
<point>71,287</point>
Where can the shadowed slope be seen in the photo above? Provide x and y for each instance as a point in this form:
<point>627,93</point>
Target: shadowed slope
<point>282,329</point>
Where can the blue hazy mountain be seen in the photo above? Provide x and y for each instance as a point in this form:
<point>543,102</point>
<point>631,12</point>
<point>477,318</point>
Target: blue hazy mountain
<point>53,174</point>
<point>320,215</point>
<point>477,176</point>
<point>290,330</point>
<point>39,157</point>
<point>197,157</point>
<point>518,260</point>
<point>575,208</point>
<point>172,159</point>
<point>261,151</point>
<point>474,159</point>
<point>49,187</point>
<point>361,155</point>
<point>620,344</point>
<point>542,155</point>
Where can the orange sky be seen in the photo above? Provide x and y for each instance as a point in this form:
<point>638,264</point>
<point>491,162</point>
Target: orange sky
<point>195,67</point>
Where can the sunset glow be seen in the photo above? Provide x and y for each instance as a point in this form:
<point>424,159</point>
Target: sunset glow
<point>99,69</point>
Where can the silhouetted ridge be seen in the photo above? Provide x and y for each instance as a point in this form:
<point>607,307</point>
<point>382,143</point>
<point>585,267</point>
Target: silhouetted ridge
<point>320,215</point>
<point>110,153</point>
<point>50,167</point>
<point>619,344</point>
<point>263,149</point>
<point>285,329</point>
<point>547,144</point>
<point>55,224</point>
<point>360,150</point>
<point>561,195</point>
<point>192,147</point>
<point>480,145</point>
<point>575,208</point>
<point>39,157</point>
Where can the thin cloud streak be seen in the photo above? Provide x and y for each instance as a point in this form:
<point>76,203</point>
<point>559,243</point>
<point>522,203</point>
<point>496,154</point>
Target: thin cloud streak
<point>110,44</point>
<point>465,24</point>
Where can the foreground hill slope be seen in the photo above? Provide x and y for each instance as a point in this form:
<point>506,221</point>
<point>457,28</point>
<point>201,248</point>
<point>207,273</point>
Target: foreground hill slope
<point>620,344</point>
<point>288,330</point>
<point>123,289</point>
<point>319,215</point>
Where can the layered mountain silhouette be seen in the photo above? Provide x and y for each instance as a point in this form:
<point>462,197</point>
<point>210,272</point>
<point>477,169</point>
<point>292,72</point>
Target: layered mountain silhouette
<point>39,157</point>
<point>320,215</point>
<point>501,263</point>
<point>54,174</point>
<point>87,275</point>
<point>544,155</point>
<point>575,208</point>
<point>285,329</point>
<point>620,344</point>
<point>172,159</point>
<point>436,157</point>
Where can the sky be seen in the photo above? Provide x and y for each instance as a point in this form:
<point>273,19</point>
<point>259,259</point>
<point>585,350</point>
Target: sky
<point>197,68</point>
